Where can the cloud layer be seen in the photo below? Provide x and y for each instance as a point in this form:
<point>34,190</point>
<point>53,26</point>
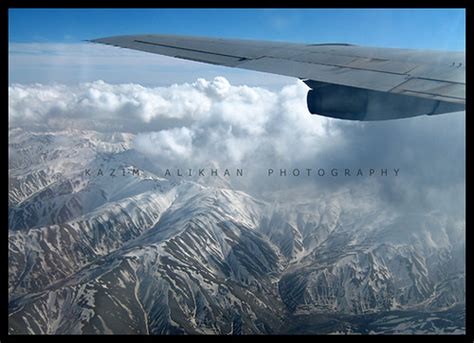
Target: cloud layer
<point>194,124</point>
<point>202,119</point>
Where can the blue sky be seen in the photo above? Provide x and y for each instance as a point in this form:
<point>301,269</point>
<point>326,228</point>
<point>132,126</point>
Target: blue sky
<point>46,45</point>
<point>421,28</point>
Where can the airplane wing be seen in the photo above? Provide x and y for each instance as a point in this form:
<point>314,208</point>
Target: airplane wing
<point>346,81</point>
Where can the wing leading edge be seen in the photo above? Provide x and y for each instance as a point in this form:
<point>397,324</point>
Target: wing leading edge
<point>346,81</point>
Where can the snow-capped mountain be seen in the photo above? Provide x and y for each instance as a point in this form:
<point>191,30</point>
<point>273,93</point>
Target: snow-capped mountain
<point>144,253</point>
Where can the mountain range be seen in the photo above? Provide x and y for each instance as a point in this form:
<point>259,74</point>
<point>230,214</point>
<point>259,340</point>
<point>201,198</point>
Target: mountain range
<point>146,254</point>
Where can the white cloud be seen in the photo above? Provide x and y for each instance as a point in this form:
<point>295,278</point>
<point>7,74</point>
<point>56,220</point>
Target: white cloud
<point>194,125</point>
<point>205,120</point>
<point>214,122</point>
<point>171,144</point>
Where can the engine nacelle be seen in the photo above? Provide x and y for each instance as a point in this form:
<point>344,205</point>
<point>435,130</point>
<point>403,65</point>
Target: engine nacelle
<point>353,103</point>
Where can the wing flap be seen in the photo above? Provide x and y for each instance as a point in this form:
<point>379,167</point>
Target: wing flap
<point>455,73</point>
<point>383,65</point>
<point>360,78</point>
<point>432,89</point>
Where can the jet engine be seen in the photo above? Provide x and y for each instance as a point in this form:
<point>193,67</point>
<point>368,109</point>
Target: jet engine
<point>353,103</point>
